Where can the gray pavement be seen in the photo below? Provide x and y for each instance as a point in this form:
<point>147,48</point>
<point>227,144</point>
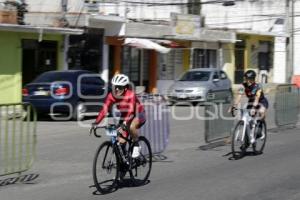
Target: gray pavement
<point>65,153</point>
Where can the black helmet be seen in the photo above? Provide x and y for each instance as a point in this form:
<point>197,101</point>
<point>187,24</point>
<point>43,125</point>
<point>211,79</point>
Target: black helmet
<point>250,74</point>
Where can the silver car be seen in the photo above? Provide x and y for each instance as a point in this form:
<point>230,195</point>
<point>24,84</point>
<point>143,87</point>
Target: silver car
<point>201,85</point>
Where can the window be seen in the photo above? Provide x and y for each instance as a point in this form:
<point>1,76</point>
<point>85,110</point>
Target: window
<point>195,76</point>
<point>135,64</point>
<point>170,65</point>
<point>265,58</point>
<point>85,51</point>
<point>204,58</point>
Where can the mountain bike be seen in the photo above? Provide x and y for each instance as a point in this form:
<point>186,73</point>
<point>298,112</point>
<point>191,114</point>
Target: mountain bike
<point>113,160</point>
<point>249,131</point>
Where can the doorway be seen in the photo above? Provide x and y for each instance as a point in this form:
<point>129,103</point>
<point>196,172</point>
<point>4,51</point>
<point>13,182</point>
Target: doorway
<point>239,62</point>
<point>135,64</point>
<point>37,58</point>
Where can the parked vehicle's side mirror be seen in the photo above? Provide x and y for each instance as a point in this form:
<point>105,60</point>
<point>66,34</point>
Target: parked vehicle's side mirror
<point>216,80</point>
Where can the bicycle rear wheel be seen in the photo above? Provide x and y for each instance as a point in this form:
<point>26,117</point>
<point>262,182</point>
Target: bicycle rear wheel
<point>105,168</point>
<point>261,137</point>
<point>140,168</point>
<point>238,143</point>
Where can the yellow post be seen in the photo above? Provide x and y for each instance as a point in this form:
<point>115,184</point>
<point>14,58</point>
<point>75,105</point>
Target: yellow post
<point>153,72</point>
<point>117,59</point>
<point>186,59</point>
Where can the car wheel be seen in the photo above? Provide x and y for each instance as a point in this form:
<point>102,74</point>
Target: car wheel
<point>210,96</point>
<point>195,103</point>
<point>78,112</point>
<point>229,96</point>
<point>171,103</point>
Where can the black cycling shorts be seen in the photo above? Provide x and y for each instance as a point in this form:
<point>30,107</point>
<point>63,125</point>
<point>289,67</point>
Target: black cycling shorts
<point>263,102</point>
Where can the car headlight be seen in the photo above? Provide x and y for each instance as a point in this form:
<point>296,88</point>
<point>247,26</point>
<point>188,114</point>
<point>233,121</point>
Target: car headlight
<point>200,90</point>
<point>171,90</point>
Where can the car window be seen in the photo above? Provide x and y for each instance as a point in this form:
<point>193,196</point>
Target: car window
<point>223,75</point>
<point>85,80</point>
<point>49,77</point>
<point>96,81</point>
<point>91,79</point>
<point>195,76</point>
<point>216,75</point>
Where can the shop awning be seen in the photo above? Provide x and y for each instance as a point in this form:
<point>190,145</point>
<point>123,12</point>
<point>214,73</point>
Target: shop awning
<point>146,44</point>
<point>40,29</point>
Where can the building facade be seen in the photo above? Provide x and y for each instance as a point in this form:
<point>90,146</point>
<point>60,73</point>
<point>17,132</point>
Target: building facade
<point>195,45</point>
<point>263,19</point>
<point>27,51</point>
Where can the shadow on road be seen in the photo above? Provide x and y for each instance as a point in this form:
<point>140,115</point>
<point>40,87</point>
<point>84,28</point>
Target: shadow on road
<point>160,158</point>
<point>212,146</point>
<point>24,179</point>
<point>125,183</point>
<point>240,155</point>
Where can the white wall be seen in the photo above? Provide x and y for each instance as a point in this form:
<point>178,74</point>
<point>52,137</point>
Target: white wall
<point>249,15</point>
<point>44,5</point>
<point>142,11</point>
<point>279,73</point>
<point>258,16</point>
<point>297,40</point>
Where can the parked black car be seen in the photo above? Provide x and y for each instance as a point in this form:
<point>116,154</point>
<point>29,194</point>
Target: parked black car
<point>72,92</point>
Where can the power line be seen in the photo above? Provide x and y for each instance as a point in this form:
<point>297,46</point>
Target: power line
<point>171,3</point>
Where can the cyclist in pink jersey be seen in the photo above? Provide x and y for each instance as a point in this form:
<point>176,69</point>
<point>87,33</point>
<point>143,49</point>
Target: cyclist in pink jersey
<point>132,111</point>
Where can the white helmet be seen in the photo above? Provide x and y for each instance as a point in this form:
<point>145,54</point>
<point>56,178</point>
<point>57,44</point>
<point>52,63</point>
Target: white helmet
<point>120,80</point>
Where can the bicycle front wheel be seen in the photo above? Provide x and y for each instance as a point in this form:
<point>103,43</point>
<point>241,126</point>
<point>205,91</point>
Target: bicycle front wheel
<point>105,168</point>
<point>141,167</point>
<point>238,146</point>
<point>261,138</point>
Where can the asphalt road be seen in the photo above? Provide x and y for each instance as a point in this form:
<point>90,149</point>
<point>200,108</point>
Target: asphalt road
<point>64,165</point>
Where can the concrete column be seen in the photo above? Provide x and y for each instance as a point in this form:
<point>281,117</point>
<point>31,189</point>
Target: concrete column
<point>220,55</point>
<point>105,67</point>
<point>191,58</point>
<point>280,65</point>
<point>66,49</point>
<point>296,65</point>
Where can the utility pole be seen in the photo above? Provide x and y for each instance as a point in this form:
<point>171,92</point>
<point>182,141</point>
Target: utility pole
<point>290,24</point>
<point>292,38</point>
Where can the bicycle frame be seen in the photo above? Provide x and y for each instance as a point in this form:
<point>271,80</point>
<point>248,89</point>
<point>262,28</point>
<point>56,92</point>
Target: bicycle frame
<point>246,118</point>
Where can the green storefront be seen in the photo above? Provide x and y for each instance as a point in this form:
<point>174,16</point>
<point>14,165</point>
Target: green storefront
<point>25,52</point>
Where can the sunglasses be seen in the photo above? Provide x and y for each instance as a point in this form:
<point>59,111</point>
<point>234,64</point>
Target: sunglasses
<point>117,87</point>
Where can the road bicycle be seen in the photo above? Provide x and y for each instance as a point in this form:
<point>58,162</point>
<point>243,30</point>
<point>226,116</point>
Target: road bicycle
<point>113,160</point>
<point>249,131</point>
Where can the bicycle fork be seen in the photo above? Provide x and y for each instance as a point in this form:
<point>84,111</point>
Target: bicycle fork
<point>249,129</point>
<point>244,119</point>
